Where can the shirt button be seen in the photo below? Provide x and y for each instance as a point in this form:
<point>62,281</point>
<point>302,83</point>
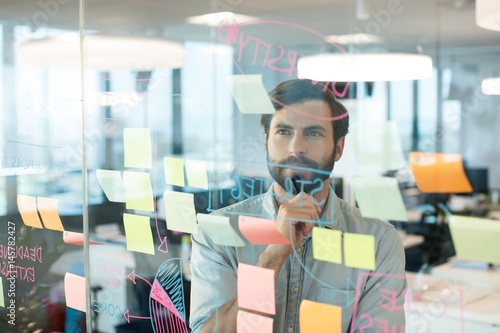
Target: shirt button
<point>290,329</point>
<point>295,289</point>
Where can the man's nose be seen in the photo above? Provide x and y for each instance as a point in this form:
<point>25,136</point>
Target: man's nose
<point>297,145</point>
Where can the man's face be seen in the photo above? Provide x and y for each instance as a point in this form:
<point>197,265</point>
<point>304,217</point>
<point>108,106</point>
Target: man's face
<point>301,137</point>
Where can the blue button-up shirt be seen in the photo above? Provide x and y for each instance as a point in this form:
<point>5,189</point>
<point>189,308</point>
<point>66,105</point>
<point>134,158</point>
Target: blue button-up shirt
<point>370,300</point>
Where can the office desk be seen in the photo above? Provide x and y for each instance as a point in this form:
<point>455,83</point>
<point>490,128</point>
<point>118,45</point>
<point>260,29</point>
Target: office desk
<point>469,277</point>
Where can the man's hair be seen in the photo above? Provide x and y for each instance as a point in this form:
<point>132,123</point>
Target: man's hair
<point>299,91</point>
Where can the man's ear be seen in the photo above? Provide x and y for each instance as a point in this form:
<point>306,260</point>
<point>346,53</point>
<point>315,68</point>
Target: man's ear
<point>339,148</point>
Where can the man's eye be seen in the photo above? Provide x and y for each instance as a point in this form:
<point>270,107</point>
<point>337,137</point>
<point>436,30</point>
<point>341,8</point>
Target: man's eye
<point>314,133</point>
<point>283,132</point>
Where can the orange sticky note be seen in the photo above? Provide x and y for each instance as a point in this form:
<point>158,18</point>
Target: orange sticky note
<point>49,213</point>
<point>327,245</point>
<point>76,238</point>
<point>138,233</point>
<point>260,231</point>
<point>320,318</point>
<point>27,207</point>
<point>439,173</point>
<point>74,289</point>
<point>359,251</point>
<point>256,289</point>
<point>247,322</point>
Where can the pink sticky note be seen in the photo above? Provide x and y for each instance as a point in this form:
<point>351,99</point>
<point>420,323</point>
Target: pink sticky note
<point>260,231</point>
<point>74,288</point>
<point>27,207</point>
<point>253,323</point>
<point>75,238</point>
<point>256,289</point>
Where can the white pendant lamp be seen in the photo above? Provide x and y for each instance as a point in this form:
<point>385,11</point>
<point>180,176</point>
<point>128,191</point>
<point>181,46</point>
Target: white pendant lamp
<point>488,14</point>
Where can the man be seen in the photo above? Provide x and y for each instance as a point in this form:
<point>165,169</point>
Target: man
<point>304,138</point>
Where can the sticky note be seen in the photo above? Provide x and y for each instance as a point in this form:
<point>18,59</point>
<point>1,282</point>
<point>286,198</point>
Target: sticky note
<point>74,289</point>
<point>49,213</point>
<point>260,231</point>
<point>250,94</point>
<point>138,234</point>
<point>359,251</point>
<point>439,173</point>
<point>137,147</point>
<point>2,299</point>
<point>27,208</point>
<point>327,245</point>
<point>256,289</point>
<point>247,322</point>
<point>112,184</point>
<point>174,171</point>
<point>138,191</point>
<point>379,197</point>
<point>180,212</point>
<point>196,174</point>
<point>319,318</point>
<point>377,146</point>
<point>219,229</point>
<point>76,238</point>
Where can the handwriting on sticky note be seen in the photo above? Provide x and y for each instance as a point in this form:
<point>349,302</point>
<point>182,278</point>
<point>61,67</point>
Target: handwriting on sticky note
<point>196,174</point>
<point>219,229</point>
<point>138,191</point>
<point>327,245</point>
<point>247,322</point>
<point>138,234</point>
<point>180,212</point>
<point>112,184</point>
<point>27,208</point>
<point>49,213</point>
<point>250,94</point>
<point>379,197</point>
<point>174,171</point>
<point>359,251</point>
<point>320,318</point>
<point>74,289</point>
<point>260,231</point>
<point>137,147</point>
<point>256,289</point>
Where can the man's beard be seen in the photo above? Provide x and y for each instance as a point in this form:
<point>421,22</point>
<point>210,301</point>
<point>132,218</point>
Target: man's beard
<point>278,171</point>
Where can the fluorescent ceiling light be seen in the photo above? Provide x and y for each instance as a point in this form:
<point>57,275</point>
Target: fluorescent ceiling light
<point>102,52</point>
<point>491,86</point>
<point>355,39</point>
<point>365,67</point>
<point>214,19</point>
<point>488,14</point>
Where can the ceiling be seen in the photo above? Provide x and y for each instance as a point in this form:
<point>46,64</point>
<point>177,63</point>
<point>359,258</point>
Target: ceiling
<point>418,23</point>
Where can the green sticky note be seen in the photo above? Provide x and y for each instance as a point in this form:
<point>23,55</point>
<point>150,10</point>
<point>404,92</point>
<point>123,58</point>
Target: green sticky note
<point>379,197</point>
<point>327,245</point>
<point>196,174</point>
<point>174,171</point>
<point>138,233</point>
<point>250,94</point>
<point>359,251</point>
<point>138,191</point>
<point>2,299</point>
<point>219,229</point>
<point>180,212</point>
<point>137,147</point>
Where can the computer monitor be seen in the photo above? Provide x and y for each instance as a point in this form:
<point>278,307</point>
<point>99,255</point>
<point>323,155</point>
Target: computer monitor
<point>478,178</point>
<point>476,239</point>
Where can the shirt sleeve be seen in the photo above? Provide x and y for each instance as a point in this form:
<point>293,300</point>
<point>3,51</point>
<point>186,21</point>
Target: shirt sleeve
<point>381,305</point>
<point>213,281</point>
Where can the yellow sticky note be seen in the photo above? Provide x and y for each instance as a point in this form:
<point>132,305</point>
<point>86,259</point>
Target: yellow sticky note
<point>174,171</point>
<point>138,233</point>
<point>112,184</point>
<point>138,191</point>
<point>196,173</point>
<point>327,245</point>
<point>359,251</point>
<point>27,207</point>
<point>256,288</point>
<point>137,147</point>
<point>320,318</point>
<point>220,230</point>
<point>49,213</point>
<point>2,299</point>
<point>247,322</point>
<point>74,289</point>
<point>250,94</point>
<point>180,212</point>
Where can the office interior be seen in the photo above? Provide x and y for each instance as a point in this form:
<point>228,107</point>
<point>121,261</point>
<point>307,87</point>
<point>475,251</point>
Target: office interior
<point>77,77</point>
